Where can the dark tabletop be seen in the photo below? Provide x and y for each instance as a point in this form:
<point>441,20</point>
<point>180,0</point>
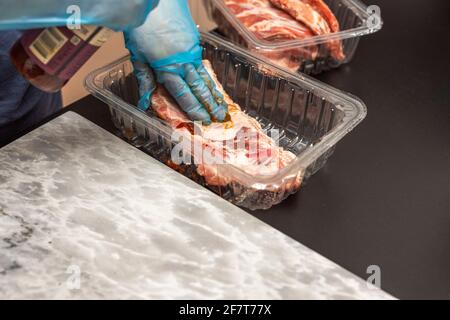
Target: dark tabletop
<point>384,197</point>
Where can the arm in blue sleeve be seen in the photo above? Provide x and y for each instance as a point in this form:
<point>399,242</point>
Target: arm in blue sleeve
<point>114,14</point>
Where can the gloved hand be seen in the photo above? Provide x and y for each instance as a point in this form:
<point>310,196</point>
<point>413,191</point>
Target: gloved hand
<point>114,14</point>
<point>169,43</point>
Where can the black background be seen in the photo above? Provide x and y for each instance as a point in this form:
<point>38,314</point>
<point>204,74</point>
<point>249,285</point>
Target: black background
<point>384,197</point>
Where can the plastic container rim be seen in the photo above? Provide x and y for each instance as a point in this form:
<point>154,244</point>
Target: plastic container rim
<point>315,40</point>
<point>354,109</point>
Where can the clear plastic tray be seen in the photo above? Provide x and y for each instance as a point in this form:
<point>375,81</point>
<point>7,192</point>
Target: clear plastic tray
<point>310,116</point>
<point>354,21</point>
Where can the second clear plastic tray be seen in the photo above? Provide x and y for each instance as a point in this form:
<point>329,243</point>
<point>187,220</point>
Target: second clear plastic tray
<point>352,15</point>
<point>310,116</point>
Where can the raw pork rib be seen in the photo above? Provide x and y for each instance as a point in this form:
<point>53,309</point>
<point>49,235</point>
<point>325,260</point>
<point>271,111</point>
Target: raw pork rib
<point>282,20</point>
<point>317,16</point>
<point>230,141</point>
<point>271,24</point>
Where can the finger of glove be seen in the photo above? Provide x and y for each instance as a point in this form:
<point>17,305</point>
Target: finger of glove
<point>203,93</point>
<point>181,92</point>
<point>147,84</point>
<point>218,96</point>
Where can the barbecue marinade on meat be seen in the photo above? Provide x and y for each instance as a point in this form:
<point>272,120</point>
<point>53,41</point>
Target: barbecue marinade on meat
<point>277,21</point>
<point>230,141</point>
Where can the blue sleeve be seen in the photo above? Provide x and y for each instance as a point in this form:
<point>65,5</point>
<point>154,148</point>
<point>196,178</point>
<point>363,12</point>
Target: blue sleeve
<point>114,14</point>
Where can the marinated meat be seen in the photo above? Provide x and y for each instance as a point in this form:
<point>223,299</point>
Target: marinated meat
<point>239,143</point>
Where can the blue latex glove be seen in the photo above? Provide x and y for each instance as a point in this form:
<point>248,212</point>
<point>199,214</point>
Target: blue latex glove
<point>169,43</point>
<point>114,14</point>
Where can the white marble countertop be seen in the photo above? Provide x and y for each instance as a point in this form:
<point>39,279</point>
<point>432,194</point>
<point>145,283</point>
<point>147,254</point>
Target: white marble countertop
<point>85,215</point>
